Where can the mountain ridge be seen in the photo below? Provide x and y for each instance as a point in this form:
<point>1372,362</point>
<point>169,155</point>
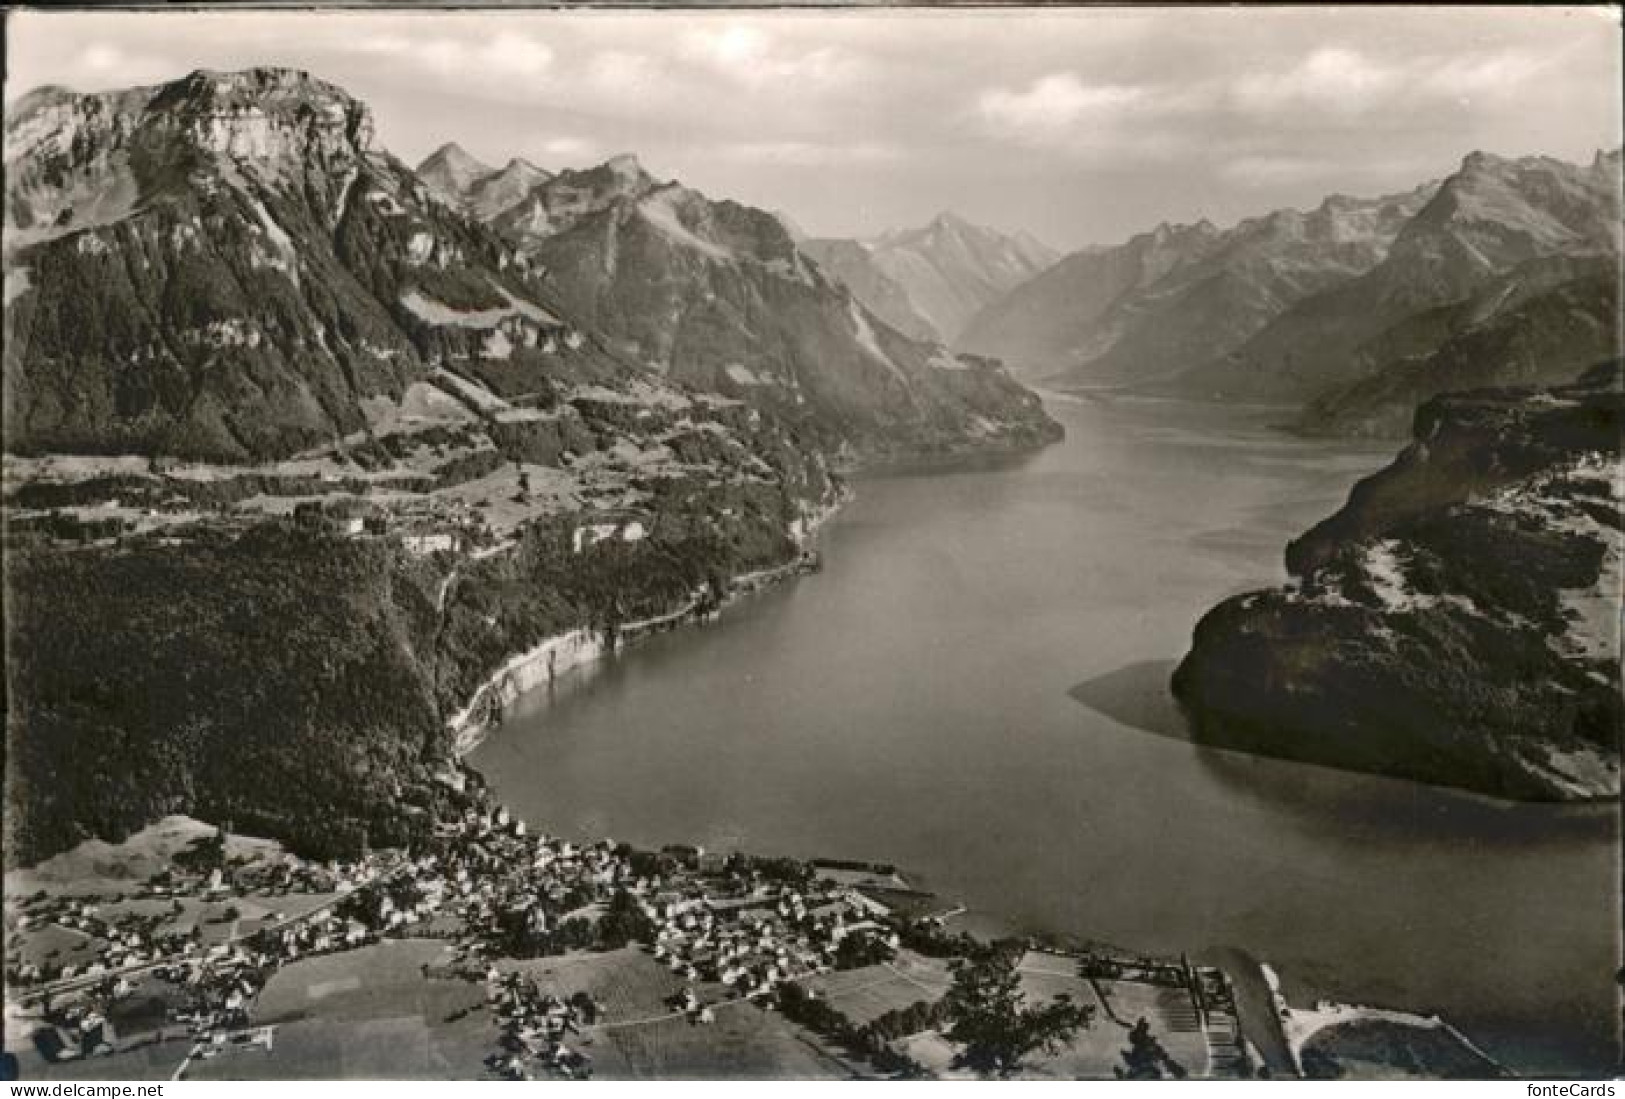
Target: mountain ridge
<point>1167,298</point>
<point>719,295</point>
<point>944,271</point>
<point>1493,214</point>
<point>259,275</point>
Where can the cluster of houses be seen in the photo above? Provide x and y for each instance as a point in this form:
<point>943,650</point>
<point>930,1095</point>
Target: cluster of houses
<point>64,525</point>
<point>718,923</point>
<point>355,517</point>
<point>749,941</point>
<point>591,534</point>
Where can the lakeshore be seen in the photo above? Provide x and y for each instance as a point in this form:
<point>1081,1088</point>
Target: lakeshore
<point>543,664</point>
<point>551,959</point>
<point>932,662</point>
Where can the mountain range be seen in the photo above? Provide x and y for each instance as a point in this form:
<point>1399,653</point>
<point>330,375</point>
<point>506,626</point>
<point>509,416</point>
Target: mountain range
<point>931,280</point>
<point>1494,221</point>
<point>1355,312</point>
<point>1175,295</point>
<point>227,267</point>
<point>479,189</point>
<point>718,295</point>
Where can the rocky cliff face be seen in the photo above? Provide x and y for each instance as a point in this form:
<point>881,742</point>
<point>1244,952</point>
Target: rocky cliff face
<point>1490,219</point>
<point>1457,622</point>
<point>716,295</point>
<point>1170,299</point>
<point>224,267</point>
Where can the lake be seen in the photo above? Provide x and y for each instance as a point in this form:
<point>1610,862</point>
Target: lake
<point>973,688</point>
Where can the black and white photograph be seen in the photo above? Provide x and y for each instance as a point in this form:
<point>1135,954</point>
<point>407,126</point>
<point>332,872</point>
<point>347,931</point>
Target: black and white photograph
<point>812,543</point>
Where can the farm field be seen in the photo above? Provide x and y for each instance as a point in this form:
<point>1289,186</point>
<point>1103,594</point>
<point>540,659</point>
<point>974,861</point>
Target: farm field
<point>627,984</point>
<point>867,993</point>
<point>145,1061</point>
<point>745,1042</point>
<point>367,1013</point>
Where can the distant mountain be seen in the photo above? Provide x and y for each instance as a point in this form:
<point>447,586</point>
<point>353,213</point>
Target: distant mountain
<point>473,187</point>
<point>1457,621</point>
<point>1486,220</point>
<point>1172,298</point>
<point>1539,324</point>
<point>947,270</point>
<point>716,295</point>
<point>226,267</point>
<point>451,172</point>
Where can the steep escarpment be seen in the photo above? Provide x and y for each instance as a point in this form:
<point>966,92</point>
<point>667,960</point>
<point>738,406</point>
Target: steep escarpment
<point>225,267</point>
<point>1457,622</point>
<point>852,264</point>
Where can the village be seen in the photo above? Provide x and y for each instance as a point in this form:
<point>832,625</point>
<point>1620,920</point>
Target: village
<point>553,959</point>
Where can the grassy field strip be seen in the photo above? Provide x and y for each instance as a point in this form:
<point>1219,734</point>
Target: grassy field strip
<point>923,987</point>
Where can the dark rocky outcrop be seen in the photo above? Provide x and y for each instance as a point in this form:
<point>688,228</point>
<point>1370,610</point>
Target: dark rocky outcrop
<point>1457,621</point>
<point>1537,325</point>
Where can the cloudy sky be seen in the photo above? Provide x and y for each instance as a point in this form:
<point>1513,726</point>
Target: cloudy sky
<point>1080,126</point>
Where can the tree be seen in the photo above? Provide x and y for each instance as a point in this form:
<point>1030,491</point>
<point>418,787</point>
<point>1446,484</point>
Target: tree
<point>993,1023</point>
<point>623,922</point>
<point>1145,1059</point>
<point>860,949</point>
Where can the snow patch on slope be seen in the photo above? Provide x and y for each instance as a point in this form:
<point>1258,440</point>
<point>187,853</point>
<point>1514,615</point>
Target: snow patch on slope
<point>438,313</point>
<point>287,258</point>
<point>660,211</point>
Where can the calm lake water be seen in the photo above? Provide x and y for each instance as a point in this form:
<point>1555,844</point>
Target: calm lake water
<point>974,689</point>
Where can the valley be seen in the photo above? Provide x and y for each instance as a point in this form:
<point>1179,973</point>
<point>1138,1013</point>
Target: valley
<point>381,540</point>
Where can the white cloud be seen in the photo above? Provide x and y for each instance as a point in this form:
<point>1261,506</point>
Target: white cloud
<point>1054,102</point>
<point>1332,79</point>
<point>747,54</point>
<point>508,55</point>
<point>809,154</point>
<point>569,151</point>
<point>1270,170</point>
<point>735,45</point>
<point>100,57</point>
<point>1346,83</point>
<point>1500,74</point>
